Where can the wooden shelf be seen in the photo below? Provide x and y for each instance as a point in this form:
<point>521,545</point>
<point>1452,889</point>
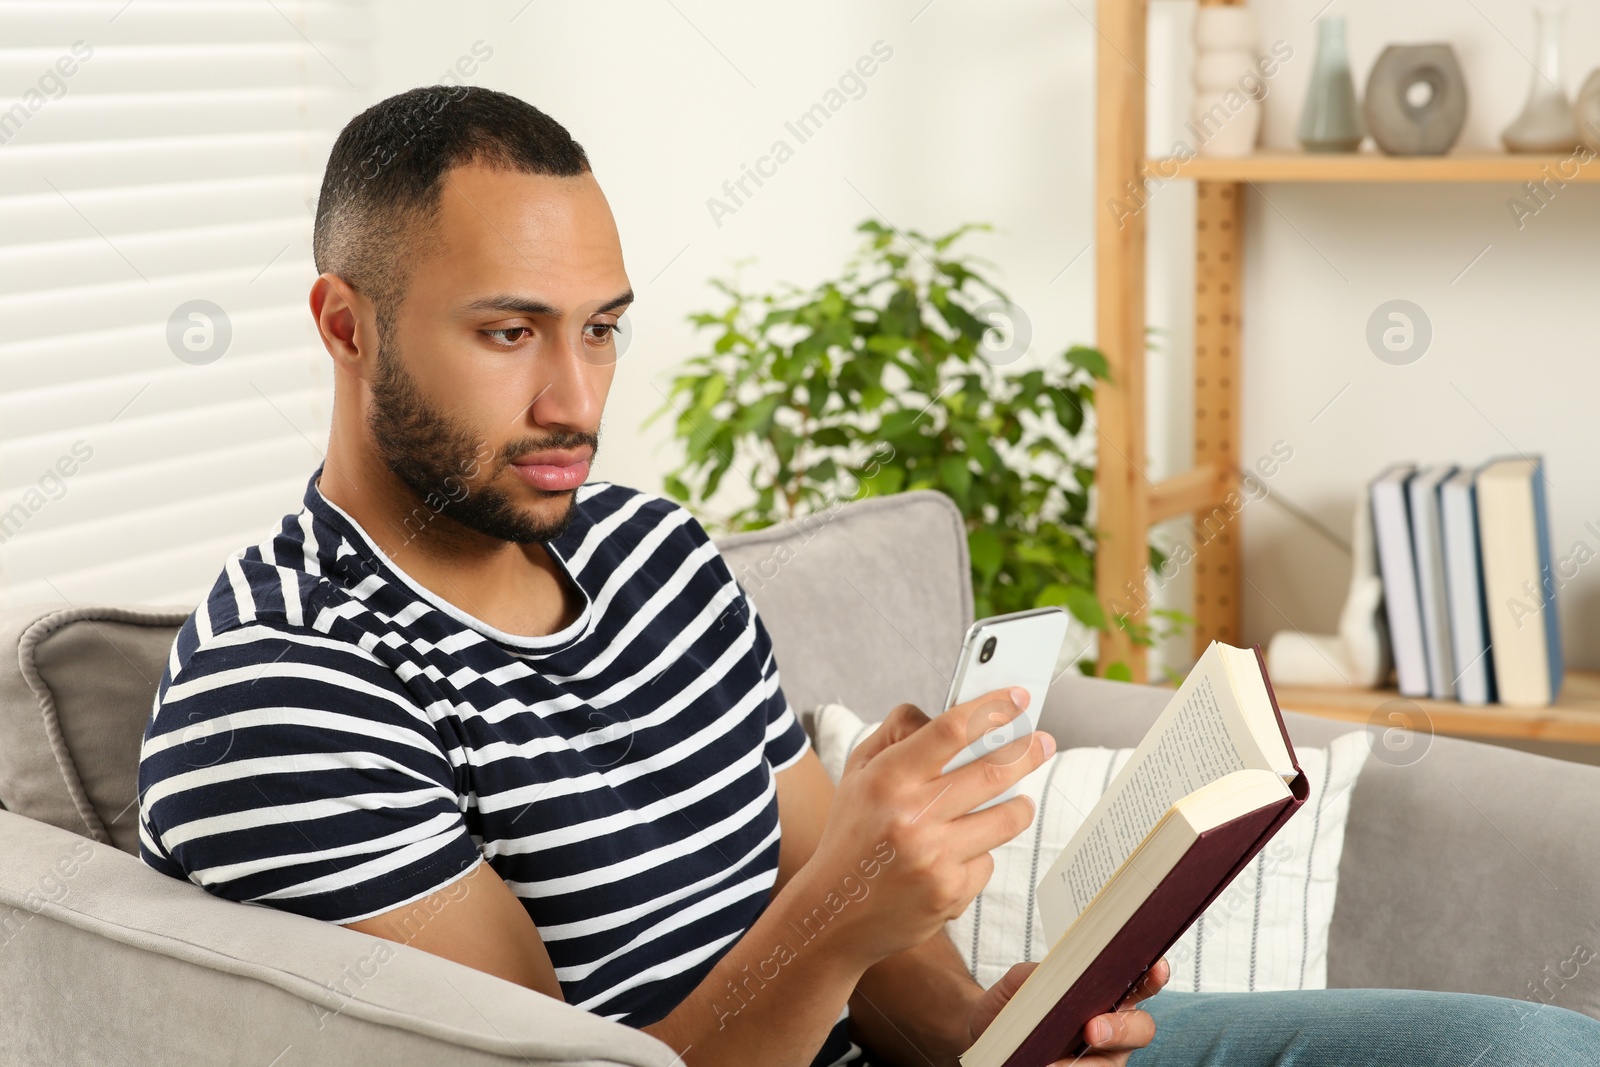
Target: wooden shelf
<point>1374,167</point>
<point>1574,718</point>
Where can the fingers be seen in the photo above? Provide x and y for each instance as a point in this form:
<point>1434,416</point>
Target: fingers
<point>1151,984</point>
<point>926,752</point>
<point>987,777</point>
<point>980,832</point>
<point>901,723</point>
<point>1119,1031</point>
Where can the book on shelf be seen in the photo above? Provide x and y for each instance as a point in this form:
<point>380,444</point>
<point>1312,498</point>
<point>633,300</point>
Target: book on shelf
<point>1427,547</point>
<point>1519,581</point>
<point>1391,525</point>
<point>1469,624</point>
<point>1212,781</point>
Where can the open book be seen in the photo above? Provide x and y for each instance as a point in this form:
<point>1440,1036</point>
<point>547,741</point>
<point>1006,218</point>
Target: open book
<point>1205,790</point>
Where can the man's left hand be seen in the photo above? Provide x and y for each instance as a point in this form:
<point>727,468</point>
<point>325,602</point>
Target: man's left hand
<point>1110,1037</point>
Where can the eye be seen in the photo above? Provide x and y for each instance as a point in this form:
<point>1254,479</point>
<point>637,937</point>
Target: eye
<point>609,330</point>
<point>500,336</point>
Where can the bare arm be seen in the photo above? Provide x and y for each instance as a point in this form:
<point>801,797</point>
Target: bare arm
<point>913,1005</point>
<point>900,834</point>
<point>757,1005</point>
<point>477,921</point>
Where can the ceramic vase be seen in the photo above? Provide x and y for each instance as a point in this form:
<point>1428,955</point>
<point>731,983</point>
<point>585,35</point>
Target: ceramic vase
<point>1330,121</point>
<point>1227,114</point>
<point>1416,100</point>
<point>1546,123</point>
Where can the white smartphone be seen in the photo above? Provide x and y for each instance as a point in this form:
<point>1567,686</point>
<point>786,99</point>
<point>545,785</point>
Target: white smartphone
<point>1019,649</point>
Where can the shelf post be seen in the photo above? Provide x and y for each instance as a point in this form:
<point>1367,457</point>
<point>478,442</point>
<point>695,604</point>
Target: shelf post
<point>1219,217</point>
<point>1122,487</point>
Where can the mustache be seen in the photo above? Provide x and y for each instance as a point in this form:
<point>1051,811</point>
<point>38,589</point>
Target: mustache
<point>527,446</point>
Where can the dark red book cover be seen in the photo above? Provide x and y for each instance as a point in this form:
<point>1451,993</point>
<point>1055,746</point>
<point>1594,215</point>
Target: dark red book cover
<point>1205,871</point>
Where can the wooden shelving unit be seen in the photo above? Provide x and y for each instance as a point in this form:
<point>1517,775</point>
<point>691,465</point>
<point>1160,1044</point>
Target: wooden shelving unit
<point>1129,503</point>
<point>1573,719</point>
<point>1372,167</point>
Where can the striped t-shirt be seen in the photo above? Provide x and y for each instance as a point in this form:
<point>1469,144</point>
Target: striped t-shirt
<point>332,739</point>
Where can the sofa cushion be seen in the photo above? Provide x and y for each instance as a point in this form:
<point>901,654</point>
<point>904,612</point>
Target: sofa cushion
<point>1268,931</point>
<point>76,690</point>
<point>867,603</point>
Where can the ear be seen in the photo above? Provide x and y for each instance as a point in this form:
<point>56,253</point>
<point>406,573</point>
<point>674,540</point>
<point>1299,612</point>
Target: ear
<point>347,323</point>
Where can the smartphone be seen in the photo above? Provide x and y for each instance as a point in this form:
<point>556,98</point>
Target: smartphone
<point>1019,649</point>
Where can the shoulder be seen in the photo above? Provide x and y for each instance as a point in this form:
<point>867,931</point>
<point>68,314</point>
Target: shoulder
<point>261,612</point>
<point>614,522</point>
<point>601,502</point>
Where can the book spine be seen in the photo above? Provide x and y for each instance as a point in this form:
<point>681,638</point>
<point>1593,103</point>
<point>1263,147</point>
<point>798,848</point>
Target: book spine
<point>1391,516</point>
<point>1277,713</point>
<point>1547,580</point>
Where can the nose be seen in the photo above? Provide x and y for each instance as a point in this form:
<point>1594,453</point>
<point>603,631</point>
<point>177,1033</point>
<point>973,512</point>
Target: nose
<point>574,390</point>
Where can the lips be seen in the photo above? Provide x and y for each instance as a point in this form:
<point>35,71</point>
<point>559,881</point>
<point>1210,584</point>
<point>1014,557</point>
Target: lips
<point>554,470</point>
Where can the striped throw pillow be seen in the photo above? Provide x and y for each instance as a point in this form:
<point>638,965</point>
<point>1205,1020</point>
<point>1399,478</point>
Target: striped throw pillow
<point>1267,931</point>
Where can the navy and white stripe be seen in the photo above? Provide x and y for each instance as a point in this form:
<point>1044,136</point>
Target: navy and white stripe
<point>331,739</point>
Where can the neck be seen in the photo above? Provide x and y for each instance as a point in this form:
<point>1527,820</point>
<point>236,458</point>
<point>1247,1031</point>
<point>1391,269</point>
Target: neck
<point>517,588</point>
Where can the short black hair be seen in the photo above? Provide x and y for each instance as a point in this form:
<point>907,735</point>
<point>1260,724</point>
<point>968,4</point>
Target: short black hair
<point>387,167</point>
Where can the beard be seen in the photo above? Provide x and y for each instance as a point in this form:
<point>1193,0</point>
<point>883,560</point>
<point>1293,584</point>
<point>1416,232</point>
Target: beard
<point>439,459</point>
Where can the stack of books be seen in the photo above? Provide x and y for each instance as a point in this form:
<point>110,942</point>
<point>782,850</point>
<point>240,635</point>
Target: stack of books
<point>1469,583</point>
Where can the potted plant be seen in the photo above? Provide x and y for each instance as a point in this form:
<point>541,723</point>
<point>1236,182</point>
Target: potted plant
<point>905,372</point>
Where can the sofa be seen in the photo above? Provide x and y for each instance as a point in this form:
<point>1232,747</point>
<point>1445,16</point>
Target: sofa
<point>1468,869</point>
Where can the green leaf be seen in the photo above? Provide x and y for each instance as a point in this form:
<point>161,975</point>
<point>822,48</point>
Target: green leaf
<point>1091,360</point>
<point>1086,606</point>
<point>870,382</point>
<point>983,545</point>
<point>955,474</point>
<point>1119,672</point>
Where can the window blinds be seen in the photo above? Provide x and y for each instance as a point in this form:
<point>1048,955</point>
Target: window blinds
<point>163,395</point>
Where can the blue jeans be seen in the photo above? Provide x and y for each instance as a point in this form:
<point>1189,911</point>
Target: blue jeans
<point>1363,1028</point>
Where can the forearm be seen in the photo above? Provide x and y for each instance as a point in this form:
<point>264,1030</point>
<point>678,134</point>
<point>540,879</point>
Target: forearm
<point>776,994</point>
<point>913,1006</point>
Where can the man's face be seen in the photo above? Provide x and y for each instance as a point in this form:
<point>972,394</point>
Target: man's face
<point>494,369</point>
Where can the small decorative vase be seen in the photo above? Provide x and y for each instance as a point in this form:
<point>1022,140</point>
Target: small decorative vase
<point>1546,123</point>
<point>1226,116</point>
<point>1416,100</point>
<point>1586,111</point>
<point>1331,122</point>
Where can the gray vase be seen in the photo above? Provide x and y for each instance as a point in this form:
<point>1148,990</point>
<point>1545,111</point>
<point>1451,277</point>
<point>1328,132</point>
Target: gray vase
<point>1416,100</point>
<point>1330,121</point>
<point>1546,123</point>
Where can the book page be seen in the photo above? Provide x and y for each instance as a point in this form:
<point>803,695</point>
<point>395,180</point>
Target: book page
<point>1199,738</point>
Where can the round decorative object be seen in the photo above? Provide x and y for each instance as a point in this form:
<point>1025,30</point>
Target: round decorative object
<point>1587,111</point>
<point>1416,100</point>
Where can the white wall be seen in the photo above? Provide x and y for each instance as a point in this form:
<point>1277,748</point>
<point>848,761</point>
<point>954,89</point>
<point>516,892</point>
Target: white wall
<point>985,112</point>
<point>1511,367</point>
<point>980,114</point>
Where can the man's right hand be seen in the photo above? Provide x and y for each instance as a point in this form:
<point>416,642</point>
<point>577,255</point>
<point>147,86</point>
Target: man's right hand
<point>895,812</point>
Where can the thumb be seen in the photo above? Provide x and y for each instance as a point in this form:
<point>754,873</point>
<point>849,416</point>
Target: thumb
<point>997,996</point>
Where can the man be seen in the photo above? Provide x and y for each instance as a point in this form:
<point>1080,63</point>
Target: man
<point>469,700</point>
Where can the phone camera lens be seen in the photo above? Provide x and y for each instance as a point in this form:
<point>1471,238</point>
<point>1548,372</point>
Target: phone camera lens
<point>987,652</point>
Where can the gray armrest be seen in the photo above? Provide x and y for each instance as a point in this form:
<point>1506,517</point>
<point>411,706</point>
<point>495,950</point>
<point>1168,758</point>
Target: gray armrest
<point>103,960</point>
